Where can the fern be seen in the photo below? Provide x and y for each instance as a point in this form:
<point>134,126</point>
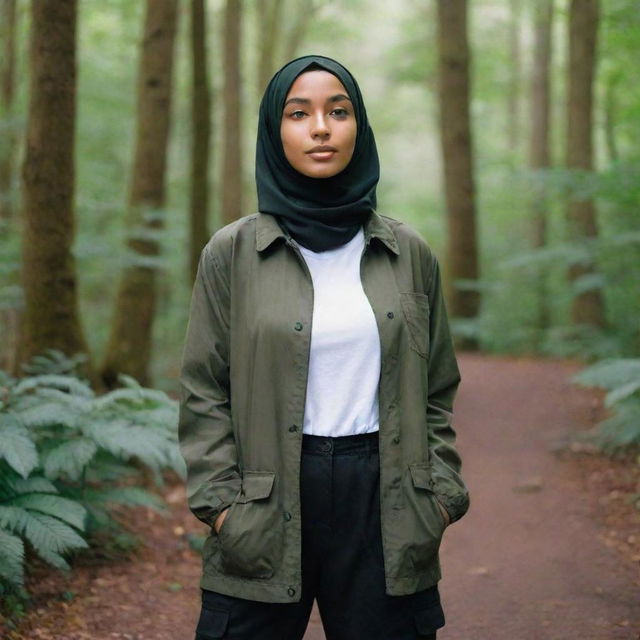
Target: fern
<point>621,378</point>
<point>16,447</point>
<point>63,452</point>
<point>69,459</point>
<point>11,558</point>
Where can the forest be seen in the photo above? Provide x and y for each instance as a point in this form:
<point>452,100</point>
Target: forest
<point>509,137</point>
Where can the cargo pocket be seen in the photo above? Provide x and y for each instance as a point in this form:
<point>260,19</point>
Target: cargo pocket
<point>415,307</point>
<point>429,620</point>
<point>212,624</point>
<point>429,523</point>
<point>250,538</point>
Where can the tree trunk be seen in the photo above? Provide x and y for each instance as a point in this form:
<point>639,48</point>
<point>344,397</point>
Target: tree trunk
<point>201,134</point>
<point>304,12</point>
<point>610,119</point>
<point>7,123</point>
<point>270,29</point>
<point>51,318</point>
<point>588,306</point>
<point>129,345</point>
<point>455,133</point>
<point>539,154</point>
<point>232,154</point>
<point>515,73</point>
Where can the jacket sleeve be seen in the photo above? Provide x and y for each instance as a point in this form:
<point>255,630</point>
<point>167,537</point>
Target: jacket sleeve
<point>444,378</point>
<point>205,428</point>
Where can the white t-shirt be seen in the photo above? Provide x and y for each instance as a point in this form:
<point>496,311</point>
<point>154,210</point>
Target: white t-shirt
<point>344,365</point>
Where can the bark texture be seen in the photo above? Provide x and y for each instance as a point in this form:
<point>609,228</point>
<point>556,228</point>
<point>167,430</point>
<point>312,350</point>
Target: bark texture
<point>51,318</point>
<point>455,132</point>
<point>201,135</point>
<point>232,153</point>
<point>588,306</point>
<point>7,124</point>
<point>270,29</point>
<point>129,345</point>
<point>515,74</point>
<point>539,153</point>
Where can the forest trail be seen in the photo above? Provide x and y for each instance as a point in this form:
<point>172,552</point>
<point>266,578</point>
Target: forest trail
<point>527,562</point>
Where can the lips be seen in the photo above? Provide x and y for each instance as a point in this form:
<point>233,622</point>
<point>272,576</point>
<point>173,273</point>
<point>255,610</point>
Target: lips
<point>322,149</point>
<point>322,153</point>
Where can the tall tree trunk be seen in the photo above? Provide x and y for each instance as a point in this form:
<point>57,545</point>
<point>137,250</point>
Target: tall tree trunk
<point>539,153</point>
<point>200,135</point>
<point>270,29</point>
<point>7,124</point>
<point>129,345</point>
<point>588,306</point>
<point>232,154</point>
<point>610,118</point>
<point>304,12</point>
<point>455,133</point>
<point>51,318</point>
<point>515,74</point>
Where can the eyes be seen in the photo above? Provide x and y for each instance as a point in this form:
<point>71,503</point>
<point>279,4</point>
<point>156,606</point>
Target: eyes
<point>339,113</point>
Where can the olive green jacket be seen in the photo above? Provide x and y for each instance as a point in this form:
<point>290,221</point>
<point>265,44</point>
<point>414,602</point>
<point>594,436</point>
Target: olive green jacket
<point>243,387</point>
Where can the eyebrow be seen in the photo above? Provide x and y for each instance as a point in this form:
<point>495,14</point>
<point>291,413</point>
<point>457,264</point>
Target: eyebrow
<point>337,98</point>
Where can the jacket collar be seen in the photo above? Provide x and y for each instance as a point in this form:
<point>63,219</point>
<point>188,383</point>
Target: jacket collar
<point>268,231</point>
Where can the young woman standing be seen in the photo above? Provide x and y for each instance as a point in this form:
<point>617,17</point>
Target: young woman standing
<point>317,389</point>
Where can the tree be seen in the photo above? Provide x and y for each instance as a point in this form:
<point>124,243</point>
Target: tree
<point>200,135</point>
<point>588,306</point>
<point>232,144</point>
<point>7,125</point>
<point>455,135</point>
<point>539,154</point>
<point>51,318</point>
<point>515,74</point>
<point>129,345</point>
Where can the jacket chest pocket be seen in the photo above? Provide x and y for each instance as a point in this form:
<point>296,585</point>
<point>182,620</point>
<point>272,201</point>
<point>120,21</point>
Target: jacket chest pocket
<point>415,309</point>
<point>250,538</point>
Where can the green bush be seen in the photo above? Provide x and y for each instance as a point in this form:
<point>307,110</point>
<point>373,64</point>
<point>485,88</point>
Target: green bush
<point>620,377</point>
<point>67,456</point>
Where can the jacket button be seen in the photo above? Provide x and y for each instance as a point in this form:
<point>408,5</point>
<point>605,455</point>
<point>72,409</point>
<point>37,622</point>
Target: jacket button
<point>287,516</point>
<point>298,326</point>
<point>390,315</point>
<point>396,440</point>
<point>291,591</point>
<point>293,427</point>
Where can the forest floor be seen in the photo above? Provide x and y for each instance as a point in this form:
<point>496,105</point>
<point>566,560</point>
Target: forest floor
<point>549,550</point>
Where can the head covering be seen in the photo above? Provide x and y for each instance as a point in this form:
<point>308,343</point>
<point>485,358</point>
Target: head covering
<point>320,213</point>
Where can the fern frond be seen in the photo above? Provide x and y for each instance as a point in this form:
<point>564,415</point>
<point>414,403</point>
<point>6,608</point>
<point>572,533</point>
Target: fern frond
<point>609,373</point>
<point>16,445</point>
<point>70,383</point>
<point>128,496</point>
<point>36,484</point>
<point>45,414</point>
<point>69,459</point>
<point>64,509</point>
<point>124,440</point>
<point>11,558</point>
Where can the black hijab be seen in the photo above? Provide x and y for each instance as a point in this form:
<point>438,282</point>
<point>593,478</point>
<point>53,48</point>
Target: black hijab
<point>320,213</point>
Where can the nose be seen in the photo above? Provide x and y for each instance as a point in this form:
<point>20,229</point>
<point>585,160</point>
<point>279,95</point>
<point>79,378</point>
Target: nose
<point>320,127</point>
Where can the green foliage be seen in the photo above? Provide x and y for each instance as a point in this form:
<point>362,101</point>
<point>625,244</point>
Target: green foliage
<point>621,379</point>
<point>67,457</point>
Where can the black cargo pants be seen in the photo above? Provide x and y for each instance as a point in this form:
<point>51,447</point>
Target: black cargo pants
<point>342,561</point>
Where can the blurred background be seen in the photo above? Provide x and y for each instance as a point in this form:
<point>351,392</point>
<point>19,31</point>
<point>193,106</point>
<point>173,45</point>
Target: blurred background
<point>536,224</point>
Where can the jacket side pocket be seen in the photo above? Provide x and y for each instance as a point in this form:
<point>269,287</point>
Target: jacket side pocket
<point>250,538</point>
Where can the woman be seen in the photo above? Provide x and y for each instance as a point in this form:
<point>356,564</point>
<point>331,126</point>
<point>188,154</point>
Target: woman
<point>318,379</point>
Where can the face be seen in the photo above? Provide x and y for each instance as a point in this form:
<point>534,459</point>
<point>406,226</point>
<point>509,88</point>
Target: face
<point>318,127</point>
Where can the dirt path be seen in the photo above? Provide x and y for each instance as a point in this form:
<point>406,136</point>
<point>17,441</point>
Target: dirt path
<point>534,558</point>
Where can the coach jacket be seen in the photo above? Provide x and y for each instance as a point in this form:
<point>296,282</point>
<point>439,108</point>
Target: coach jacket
<point>242,397</point>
